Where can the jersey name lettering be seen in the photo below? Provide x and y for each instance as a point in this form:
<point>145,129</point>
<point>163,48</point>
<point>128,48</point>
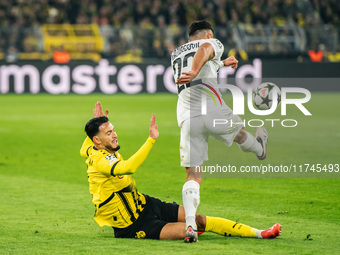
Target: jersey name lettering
<point>185,47</point>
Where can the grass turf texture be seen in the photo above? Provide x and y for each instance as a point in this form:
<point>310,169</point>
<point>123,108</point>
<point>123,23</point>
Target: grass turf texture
<point>46,207</point>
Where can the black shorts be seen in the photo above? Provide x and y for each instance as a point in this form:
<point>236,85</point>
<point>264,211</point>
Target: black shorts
<point>152,219</point>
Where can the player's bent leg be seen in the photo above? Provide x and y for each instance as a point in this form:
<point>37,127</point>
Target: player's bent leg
<point>247,143</point>
<point>173,231</point>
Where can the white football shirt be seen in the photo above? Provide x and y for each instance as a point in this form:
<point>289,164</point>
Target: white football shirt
<point>189,102</point>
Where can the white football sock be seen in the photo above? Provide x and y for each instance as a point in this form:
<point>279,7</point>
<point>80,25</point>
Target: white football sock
<point>251,145</point>
<point>191,200</point>
<point>258,233</point>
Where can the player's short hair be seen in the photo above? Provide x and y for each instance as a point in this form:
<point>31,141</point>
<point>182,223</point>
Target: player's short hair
<point>92,126</point>
<point>197,26</point>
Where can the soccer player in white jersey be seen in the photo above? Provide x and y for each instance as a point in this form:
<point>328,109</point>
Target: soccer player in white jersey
<point>196,65</point>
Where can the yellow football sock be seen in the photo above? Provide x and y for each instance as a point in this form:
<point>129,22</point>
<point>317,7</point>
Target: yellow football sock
<point>228,228</point>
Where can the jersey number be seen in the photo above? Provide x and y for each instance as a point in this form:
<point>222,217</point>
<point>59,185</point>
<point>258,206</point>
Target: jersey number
<point>179,64</point>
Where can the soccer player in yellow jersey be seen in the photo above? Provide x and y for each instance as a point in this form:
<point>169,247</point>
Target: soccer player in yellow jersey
<point>131,213</point>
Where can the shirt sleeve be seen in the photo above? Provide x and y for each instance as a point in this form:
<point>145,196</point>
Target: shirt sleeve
<point>131,165</point>
<point>105,163</point>
<point>86,148</point>
<point>218,47</point>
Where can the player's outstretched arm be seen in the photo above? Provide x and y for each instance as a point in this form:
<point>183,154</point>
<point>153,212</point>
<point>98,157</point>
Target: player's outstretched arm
<point>203,54</point>
<point>133,163</point>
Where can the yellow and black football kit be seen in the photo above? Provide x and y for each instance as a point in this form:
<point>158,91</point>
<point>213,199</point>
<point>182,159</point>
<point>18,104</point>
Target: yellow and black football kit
<point>114,193</point>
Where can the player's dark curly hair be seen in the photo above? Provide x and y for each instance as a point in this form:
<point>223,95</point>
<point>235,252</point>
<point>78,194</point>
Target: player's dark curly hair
<point>199,25</point>
<point>92,126</point>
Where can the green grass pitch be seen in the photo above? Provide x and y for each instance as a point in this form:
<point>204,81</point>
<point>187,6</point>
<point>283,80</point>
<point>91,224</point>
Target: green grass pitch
<point>46,208</point>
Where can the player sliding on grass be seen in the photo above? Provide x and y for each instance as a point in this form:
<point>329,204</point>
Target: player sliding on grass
<point>131,213</point>
<point>196,65</point>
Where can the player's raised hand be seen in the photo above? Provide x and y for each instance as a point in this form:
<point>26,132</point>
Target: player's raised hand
<point>153,128</point>
<point>98,110</point>
<point>187,77</point>
<point>231,61</point>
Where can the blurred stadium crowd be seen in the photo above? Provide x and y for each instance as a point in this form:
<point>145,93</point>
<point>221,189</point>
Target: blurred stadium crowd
<point>153,28</point>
